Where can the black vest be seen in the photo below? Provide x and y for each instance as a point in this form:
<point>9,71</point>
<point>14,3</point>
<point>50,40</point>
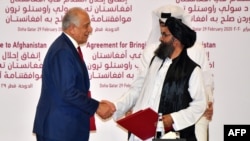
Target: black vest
<point>175,95</point>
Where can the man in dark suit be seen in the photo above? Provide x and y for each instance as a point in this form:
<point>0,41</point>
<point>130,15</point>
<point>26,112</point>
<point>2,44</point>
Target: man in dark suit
<point>64,108</point>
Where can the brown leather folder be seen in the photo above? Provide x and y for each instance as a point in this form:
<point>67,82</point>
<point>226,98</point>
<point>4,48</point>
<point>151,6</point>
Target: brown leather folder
<point>142,123</point>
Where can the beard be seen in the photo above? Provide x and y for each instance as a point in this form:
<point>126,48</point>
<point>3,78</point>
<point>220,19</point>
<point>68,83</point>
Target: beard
<point>165,50</point>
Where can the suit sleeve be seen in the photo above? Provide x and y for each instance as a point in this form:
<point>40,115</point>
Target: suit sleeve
<point>68,78</point>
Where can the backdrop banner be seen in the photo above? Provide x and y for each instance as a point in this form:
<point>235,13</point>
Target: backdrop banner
<point>112,53</point>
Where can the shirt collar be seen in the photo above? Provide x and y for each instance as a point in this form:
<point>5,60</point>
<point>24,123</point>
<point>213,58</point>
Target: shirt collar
<point>72,40</point>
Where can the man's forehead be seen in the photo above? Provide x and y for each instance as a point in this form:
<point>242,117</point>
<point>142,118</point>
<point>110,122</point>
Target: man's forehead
<point>164,29</point>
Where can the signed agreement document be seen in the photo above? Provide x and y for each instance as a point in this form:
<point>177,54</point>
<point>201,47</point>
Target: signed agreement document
<point>142,123</point>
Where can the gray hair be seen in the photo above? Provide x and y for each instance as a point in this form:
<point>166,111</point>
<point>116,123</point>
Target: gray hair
<point>71,17</point>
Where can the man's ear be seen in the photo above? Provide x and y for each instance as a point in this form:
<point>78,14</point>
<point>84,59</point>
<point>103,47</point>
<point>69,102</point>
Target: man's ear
<point>176,42</point>
<point>72,29</point>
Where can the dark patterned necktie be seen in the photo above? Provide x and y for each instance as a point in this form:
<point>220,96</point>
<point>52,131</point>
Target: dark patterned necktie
<point>80,53</point>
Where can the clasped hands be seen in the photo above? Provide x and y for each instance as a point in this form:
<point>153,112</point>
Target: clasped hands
<point>105,109</point>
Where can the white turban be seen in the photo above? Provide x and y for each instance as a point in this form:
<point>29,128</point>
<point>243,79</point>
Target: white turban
<point>173,11</point>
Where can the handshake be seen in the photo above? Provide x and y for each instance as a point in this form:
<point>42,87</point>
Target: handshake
<point>105,109</point>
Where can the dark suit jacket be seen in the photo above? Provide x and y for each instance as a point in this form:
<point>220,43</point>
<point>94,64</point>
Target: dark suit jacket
<point>64,109</point>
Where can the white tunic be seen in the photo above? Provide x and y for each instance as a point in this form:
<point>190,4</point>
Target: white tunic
<point>146,91</point>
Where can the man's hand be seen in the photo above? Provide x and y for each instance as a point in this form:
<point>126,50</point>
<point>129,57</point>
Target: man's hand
<point>209,111</point>
<point>105,109</point>
<point>167,121</point>
<point>129,112</point>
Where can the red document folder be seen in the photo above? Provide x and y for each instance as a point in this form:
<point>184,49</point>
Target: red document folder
<point>142,123</point>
